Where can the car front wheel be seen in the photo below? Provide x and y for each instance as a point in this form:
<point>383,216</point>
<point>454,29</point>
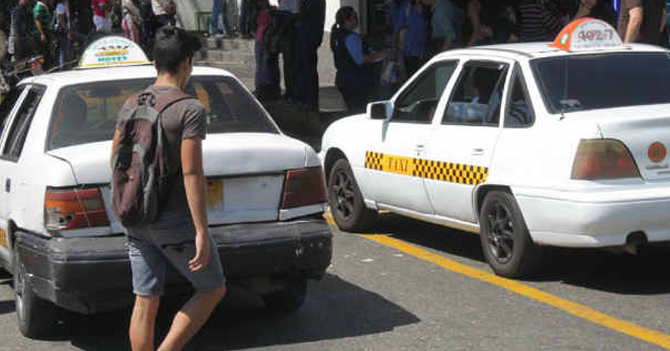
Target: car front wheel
<point>36,317</point>
<point>504,236</point>
<point>346,201</point>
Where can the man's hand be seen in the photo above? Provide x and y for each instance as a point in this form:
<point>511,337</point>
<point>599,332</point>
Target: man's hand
<point>43,37</point>
<point>202,248</point>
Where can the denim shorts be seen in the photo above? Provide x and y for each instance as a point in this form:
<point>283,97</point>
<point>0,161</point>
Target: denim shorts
<point>170,240</point>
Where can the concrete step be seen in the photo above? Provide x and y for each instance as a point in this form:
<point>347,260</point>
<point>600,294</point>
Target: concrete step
<point>229,44</point>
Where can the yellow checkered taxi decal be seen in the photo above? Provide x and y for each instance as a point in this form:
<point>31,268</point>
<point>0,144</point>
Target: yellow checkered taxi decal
<point>435,170</point>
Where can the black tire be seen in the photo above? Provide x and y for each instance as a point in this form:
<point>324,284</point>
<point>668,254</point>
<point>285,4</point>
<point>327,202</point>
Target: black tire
<point>289,299</point>
<point>346,201</point>
<point>504,236</point>
<point>36,317</point>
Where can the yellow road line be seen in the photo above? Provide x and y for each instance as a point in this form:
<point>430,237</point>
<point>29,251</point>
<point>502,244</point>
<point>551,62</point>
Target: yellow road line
<point>573,308</point>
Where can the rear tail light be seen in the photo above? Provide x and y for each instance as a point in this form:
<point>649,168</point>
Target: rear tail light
<point>603,159</point>
<point>74,208</point>
<point>304,187</point>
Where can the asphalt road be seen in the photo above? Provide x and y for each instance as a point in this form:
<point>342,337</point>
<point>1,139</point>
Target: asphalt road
<point>377,297</point>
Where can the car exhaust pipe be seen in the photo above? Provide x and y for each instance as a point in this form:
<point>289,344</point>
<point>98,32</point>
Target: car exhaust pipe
<point>634,241</point>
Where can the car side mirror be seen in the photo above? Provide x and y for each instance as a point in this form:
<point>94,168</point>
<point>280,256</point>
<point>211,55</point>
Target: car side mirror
<point>379,110</point>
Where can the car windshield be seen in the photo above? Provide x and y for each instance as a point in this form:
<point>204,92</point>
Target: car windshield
<point>87,113</point>
<point>589,82</point>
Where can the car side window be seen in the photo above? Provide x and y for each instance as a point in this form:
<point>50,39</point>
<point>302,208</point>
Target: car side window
<point>418,103</point>
<point>8,103</point>
<point>477,96</point>
<point>19,129</point>
<point>519,112</point>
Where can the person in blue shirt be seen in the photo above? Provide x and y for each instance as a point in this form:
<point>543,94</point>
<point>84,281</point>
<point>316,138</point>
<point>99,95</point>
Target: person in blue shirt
<point>353,60</point>
<point>415,20</point>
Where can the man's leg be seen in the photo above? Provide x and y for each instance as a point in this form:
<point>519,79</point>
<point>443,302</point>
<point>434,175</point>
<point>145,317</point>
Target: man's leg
<point>143,323</point>
<point>191,318</point>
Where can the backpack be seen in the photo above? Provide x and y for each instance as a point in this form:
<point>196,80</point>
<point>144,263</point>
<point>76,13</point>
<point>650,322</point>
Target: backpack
<point>141,171</point>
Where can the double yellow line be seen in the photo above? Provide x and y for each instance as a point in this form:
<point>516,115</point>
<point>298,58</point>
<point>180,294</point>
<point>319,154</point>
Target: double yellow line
<point>573,308</point>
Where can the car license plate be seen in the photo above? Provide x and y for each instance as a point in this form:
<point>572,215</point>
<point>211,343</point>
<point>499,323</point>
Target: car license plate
<point>215,195</point>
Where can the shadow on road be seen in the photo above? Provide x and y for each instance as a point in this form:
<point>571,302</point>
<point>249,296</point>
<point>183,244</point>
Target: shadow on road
<point>642,274</point>
<point>334,309</point>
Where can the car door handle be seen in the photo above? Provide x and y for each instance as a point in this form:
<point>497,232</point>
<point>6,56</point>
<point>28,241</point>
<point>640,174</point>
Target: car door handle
<point>477,151</point>
<point>419,147</point>
<point>8,185</point>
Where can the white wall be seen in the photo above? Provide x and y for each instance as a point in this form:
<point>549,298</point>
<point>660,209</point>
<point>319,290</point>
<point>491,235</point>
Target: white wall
<point>333,5</point>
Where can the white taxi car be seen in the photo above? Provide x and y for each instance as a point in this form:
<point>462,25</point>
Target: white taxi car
<point>266,191</point>
<point>530,145</point>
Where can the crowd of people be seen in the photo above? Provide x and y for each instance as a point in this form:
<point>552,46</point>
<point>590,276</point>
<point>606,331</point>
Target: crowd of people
<point>48,28</point>
<point>420,29</point>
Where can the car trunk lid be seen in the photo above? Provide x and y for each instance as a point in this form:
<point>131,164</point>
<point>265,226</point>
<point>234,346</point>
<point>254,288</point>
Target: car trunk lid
<point>245,173</point>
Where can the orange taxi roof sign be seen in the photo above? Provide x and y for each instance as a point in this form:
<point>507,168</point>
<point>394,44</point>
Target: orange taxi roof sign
<point>587,34</point>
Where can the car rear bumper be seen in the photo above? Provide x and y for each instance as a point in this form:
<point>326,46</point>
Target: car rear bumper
<point>90,275</point>
<point>596,220</point>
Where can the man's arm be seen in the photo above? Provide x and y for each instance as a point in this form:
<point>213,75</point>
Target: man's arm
<point>196,192</point>
<point>636,15</point>
<point>664,20</point>
<point>115,143</point>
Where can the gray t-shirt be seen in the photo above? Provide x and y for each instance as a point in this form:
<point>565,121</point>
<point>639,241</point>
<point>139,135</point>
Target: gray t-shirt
<point>185,119</point>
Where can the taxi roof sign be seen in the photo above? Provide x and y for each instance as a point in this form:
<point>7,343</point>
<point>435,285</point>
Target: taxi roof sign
<point>587,34</point>
<point>112,51</point>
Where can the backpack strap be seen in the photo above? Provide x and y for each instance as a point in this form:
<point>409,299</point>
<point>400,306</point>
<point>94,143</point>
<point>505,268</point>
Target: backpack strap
<point>166,100</point>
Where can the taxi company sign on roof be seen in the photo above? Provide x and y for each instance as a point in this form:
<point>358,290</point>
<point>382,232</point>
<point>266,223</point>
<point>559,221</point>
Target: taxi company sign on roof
<point>112,51</point>
<point>587,34</point>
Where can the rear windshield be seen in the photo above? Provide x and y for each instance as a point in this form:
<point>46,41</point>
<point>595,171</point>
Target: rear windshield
<point>589,82</point>
<point>87,113</point>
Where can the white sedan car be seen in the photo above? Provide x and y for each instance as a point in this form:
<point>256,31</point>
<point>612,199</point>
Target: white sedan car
<point>266,191</point>
<point>529,145</point>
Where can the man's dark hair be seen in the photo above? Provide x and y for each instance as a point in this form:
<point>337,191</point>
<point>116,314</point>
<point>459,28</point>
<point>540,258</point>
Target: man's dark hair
<point>173,45</point>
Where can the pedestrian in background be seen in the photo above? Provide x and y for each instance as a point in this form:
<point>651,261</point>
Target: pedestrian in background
<point>183,221</point>
<point>539,20</point>
<point>217,24</point>
<point>642,21</point>
<point>446,25</point>
<point>131,22</point>
<point>245,18</point>
<point>355,76</point>
<point>267,63</point>
<point>308,40</point>
<point>165,12</point>
<point>22,31</point>
<point>415,22</point>
<point>64,31</point>
<point>101,10</point>
<point>42,17</point>
<point>285,18</point>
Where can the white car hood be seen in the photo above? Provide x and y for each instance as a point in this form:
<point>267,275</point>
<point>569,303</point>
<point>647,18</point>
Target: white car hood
<point>224,154</point>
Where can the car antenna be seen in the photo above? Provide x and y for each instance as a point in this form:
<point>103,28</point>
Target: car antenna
<point>565,89</point>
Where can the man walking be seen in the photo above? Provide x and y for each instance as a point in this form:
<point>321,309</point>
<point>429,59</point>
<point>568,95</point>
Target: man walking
<point>641,21</point>
<point>180,236</point>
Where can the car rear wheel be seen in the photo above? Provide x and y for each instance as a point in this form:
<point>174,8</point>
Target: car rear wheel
<point>36,317</point>
<point>288,299</point>
<point>346,201</point>
<point>505,240</point>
